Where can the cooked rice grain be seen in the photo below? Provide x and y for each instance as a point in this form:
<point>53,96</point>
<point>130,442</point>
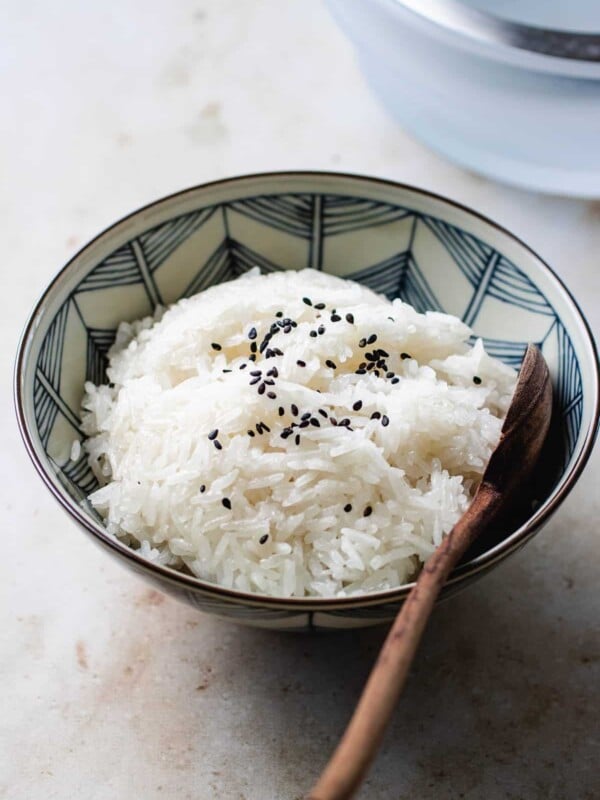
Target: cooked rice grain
<point>348,490</point>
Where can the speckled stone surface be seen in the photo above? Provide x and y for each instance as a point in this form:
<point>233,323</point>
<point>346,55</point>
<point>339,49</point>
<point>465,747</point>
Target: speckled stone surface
<point>111,690</point>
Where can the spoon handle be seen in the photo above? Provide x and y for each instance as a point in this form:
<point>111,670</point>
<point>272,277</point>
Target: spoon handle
<point>348,765</point>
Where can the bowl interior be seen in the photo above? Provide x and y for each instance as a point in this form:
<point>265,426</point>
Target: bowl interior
<point>397,240</point>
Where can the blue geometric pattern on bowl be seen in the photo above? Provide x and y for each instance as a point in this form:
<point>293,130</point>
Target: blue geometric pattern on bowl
<point>195,250</point>
<point>398,239</point>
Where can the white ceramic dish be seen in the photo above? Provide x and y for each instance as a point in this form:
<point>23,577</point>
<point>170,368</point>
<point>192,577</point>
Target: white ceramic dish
<point>515,102</point>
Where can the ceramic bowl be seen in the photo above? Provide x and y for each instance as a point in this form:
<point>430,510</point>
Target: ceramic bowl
<point>515,101</point>
<point>398,240</point>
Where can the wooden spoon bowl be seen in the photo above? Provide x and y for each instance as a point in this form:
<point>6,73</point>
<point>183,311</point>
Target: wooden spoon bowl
<point>507,473</point>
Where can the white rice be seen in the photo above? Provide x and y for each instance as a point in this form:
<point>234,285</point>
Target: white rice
<point>345,511</point>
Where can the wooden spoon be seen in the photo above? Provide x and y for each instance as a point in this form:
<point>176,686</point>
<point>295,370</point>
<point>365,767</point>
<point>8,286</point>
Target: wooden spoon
<point>512,461</point>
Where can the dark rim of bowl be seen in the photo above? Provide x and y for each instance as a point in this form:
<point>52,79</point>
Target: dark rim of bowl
<point>184,581</point>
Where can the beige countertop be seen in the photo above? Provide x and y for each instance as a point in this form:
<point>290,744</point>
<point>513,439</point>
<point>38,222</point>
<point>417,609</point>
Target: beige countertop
<point>111,690</point>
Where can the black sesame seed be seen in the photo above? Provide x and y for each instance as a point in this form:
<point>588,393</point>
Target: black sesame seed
<point>259,429</point>
<point>389,374</point>
<point>313,334</point>
<point>213,434</point>
<point>350,319</point>
<point>370,356</point>
<point>274,372</point>
<point>304,424</point>
<point>357,406</point>
<point>263,538</point>
<point>370,367</point>
<point>345,422</point>
<point>395,380</point>
<point>270,353</point>
<point>323,413</point>
<point>216,346</point>
<point>279,314</point>
<point>315,422</point>
<point>202,489</point>
<point>368,511</point>
<point>252,357</point>
<point>277,351</point>
<point>333,421</point>
<point>381,364</point>
<point>376,415</point>
<point>226,370</point>
<point>362,343</point>
<point>265,427</point>
<point>301,363</point>
<point>372,338</point>
<point>361,371</point>
<point>306,415</point>
<point>321,330</point>
<point>376,373</point>
<point>476,380</point>
<point>294,408</point>
<point>384,353</point>
<point>320,306</point>
<point>217,444</point>
<point>307,301</point>
<point>269,382</point>
<point>250,433</point>
<point>404,356</point>
<point>274,328</point>
<point>226,502</point>
<point>256,372</point>
<point>262,388</point>
<point>348,508</point>
<point>253,347</point>
<point>287,329</point>
<point>252,334</point>
<point>297,439</point>
<point>385,420</point>
<point>271,395</point>
<point>281,411</point>
<point>254,380</point>
<point>263,345</point>
<point>331,364</point>
<point>335,318</point>
<point>243,366</point>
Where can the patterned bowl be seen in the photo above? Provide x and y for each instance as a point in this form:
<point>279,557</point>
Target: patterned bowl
<point>398,240</point>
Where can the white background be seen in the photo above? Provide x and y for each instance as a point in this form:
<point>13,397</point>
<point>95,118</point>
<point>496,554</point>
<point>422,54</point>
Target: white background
<point>109,690</point>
